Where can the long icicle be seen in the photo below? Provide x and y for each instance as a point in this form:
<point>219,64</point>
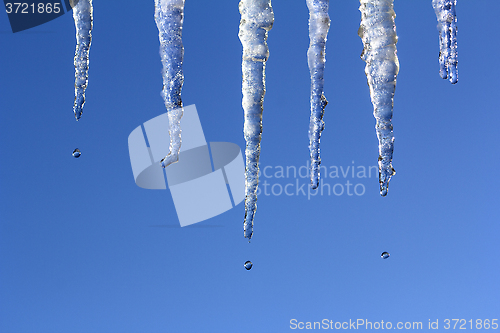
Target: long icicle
<point>257,19</point>
<point>447,26</point>
<point>169,16</point>
<point>378,32</point>
<point>319,24</point>
<point>83,16</point>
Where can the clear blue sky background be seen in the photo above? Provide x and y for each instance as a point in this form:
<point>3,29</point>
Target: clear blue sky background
<point>83,249</point>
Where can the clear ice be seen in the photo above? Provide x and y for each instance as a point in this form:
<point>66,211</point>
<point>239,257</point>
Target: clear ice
<point>169,16</point>
<point>257,19</point>
<point>447,26</point>
<point>378,32</point>
<point>83,16</point>
<point>319,24</point>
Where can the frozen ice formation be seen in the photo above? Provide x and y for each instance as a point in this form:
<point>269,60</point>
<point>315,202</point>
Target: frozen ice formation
<point>378,32</point>
<point>257,19</point>
<point>83,16</point>
<point>319,24</point>
<point>169,16</point>
<point>447,26</point>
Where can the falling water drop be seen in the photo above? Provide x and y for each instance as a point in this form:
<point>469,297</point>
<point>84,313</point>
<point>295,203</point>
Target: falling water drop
<point>77,153</point>
<point>385,255</point>
<point>248,265</point>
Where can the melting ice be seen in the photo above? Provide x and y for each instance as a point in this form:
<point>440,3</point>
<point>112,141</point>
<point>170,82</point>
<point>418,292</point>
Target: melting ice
<point>447,26</point>
<point>319,23</point>
<point>169,16</point>
<point>378,32</point>
<point>83,16</point>
<point>257,19</point>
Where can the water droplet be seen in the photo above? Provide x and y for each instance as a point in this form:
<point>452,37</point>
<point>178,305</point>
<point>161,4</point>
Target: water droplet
<point>77,153</point>
<point>385,255</point>
<point>248,265</point>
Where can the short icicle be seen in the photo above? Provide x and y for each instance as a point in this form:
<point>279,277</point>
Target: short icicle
<point>169,16</point>
<point>378,32</point>
<point>447,26</point>
<point>319,24</point>
<point>257,19</point>
<point>83,16</point>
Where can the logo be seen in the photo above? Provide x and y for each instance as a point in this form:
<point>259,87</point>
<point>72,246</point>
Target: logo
<point>207,180</point>
<point>28,14</point>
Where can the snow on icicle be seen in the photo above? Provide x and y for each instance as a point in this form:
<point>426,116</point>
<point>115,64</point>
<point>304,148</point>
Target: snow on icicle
<point>378,32</point>
<point>447,26</point>
<point>319,24</point>
<point>83,16</point>
<point>169,16</point>
<point>257,19</point>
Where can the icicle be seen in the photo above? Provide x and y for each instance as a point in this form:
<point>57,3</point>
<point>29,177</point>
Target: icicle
<point>378,32</point>
<point>169,15</point>
<point>83,16</point>
<point>447,26</point>
<point>257,19</point>
<point>319,23</point>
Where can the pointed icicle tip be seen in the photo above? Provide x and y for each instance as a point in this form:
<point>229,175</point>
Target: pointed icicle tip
<point>257,19</point>
<point>83,17</point>
<point>378,33</point>
<point>319,24</point>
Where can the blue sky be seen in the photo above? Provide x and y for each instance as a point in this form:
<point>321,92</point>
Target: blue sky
<point>83,249</point>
